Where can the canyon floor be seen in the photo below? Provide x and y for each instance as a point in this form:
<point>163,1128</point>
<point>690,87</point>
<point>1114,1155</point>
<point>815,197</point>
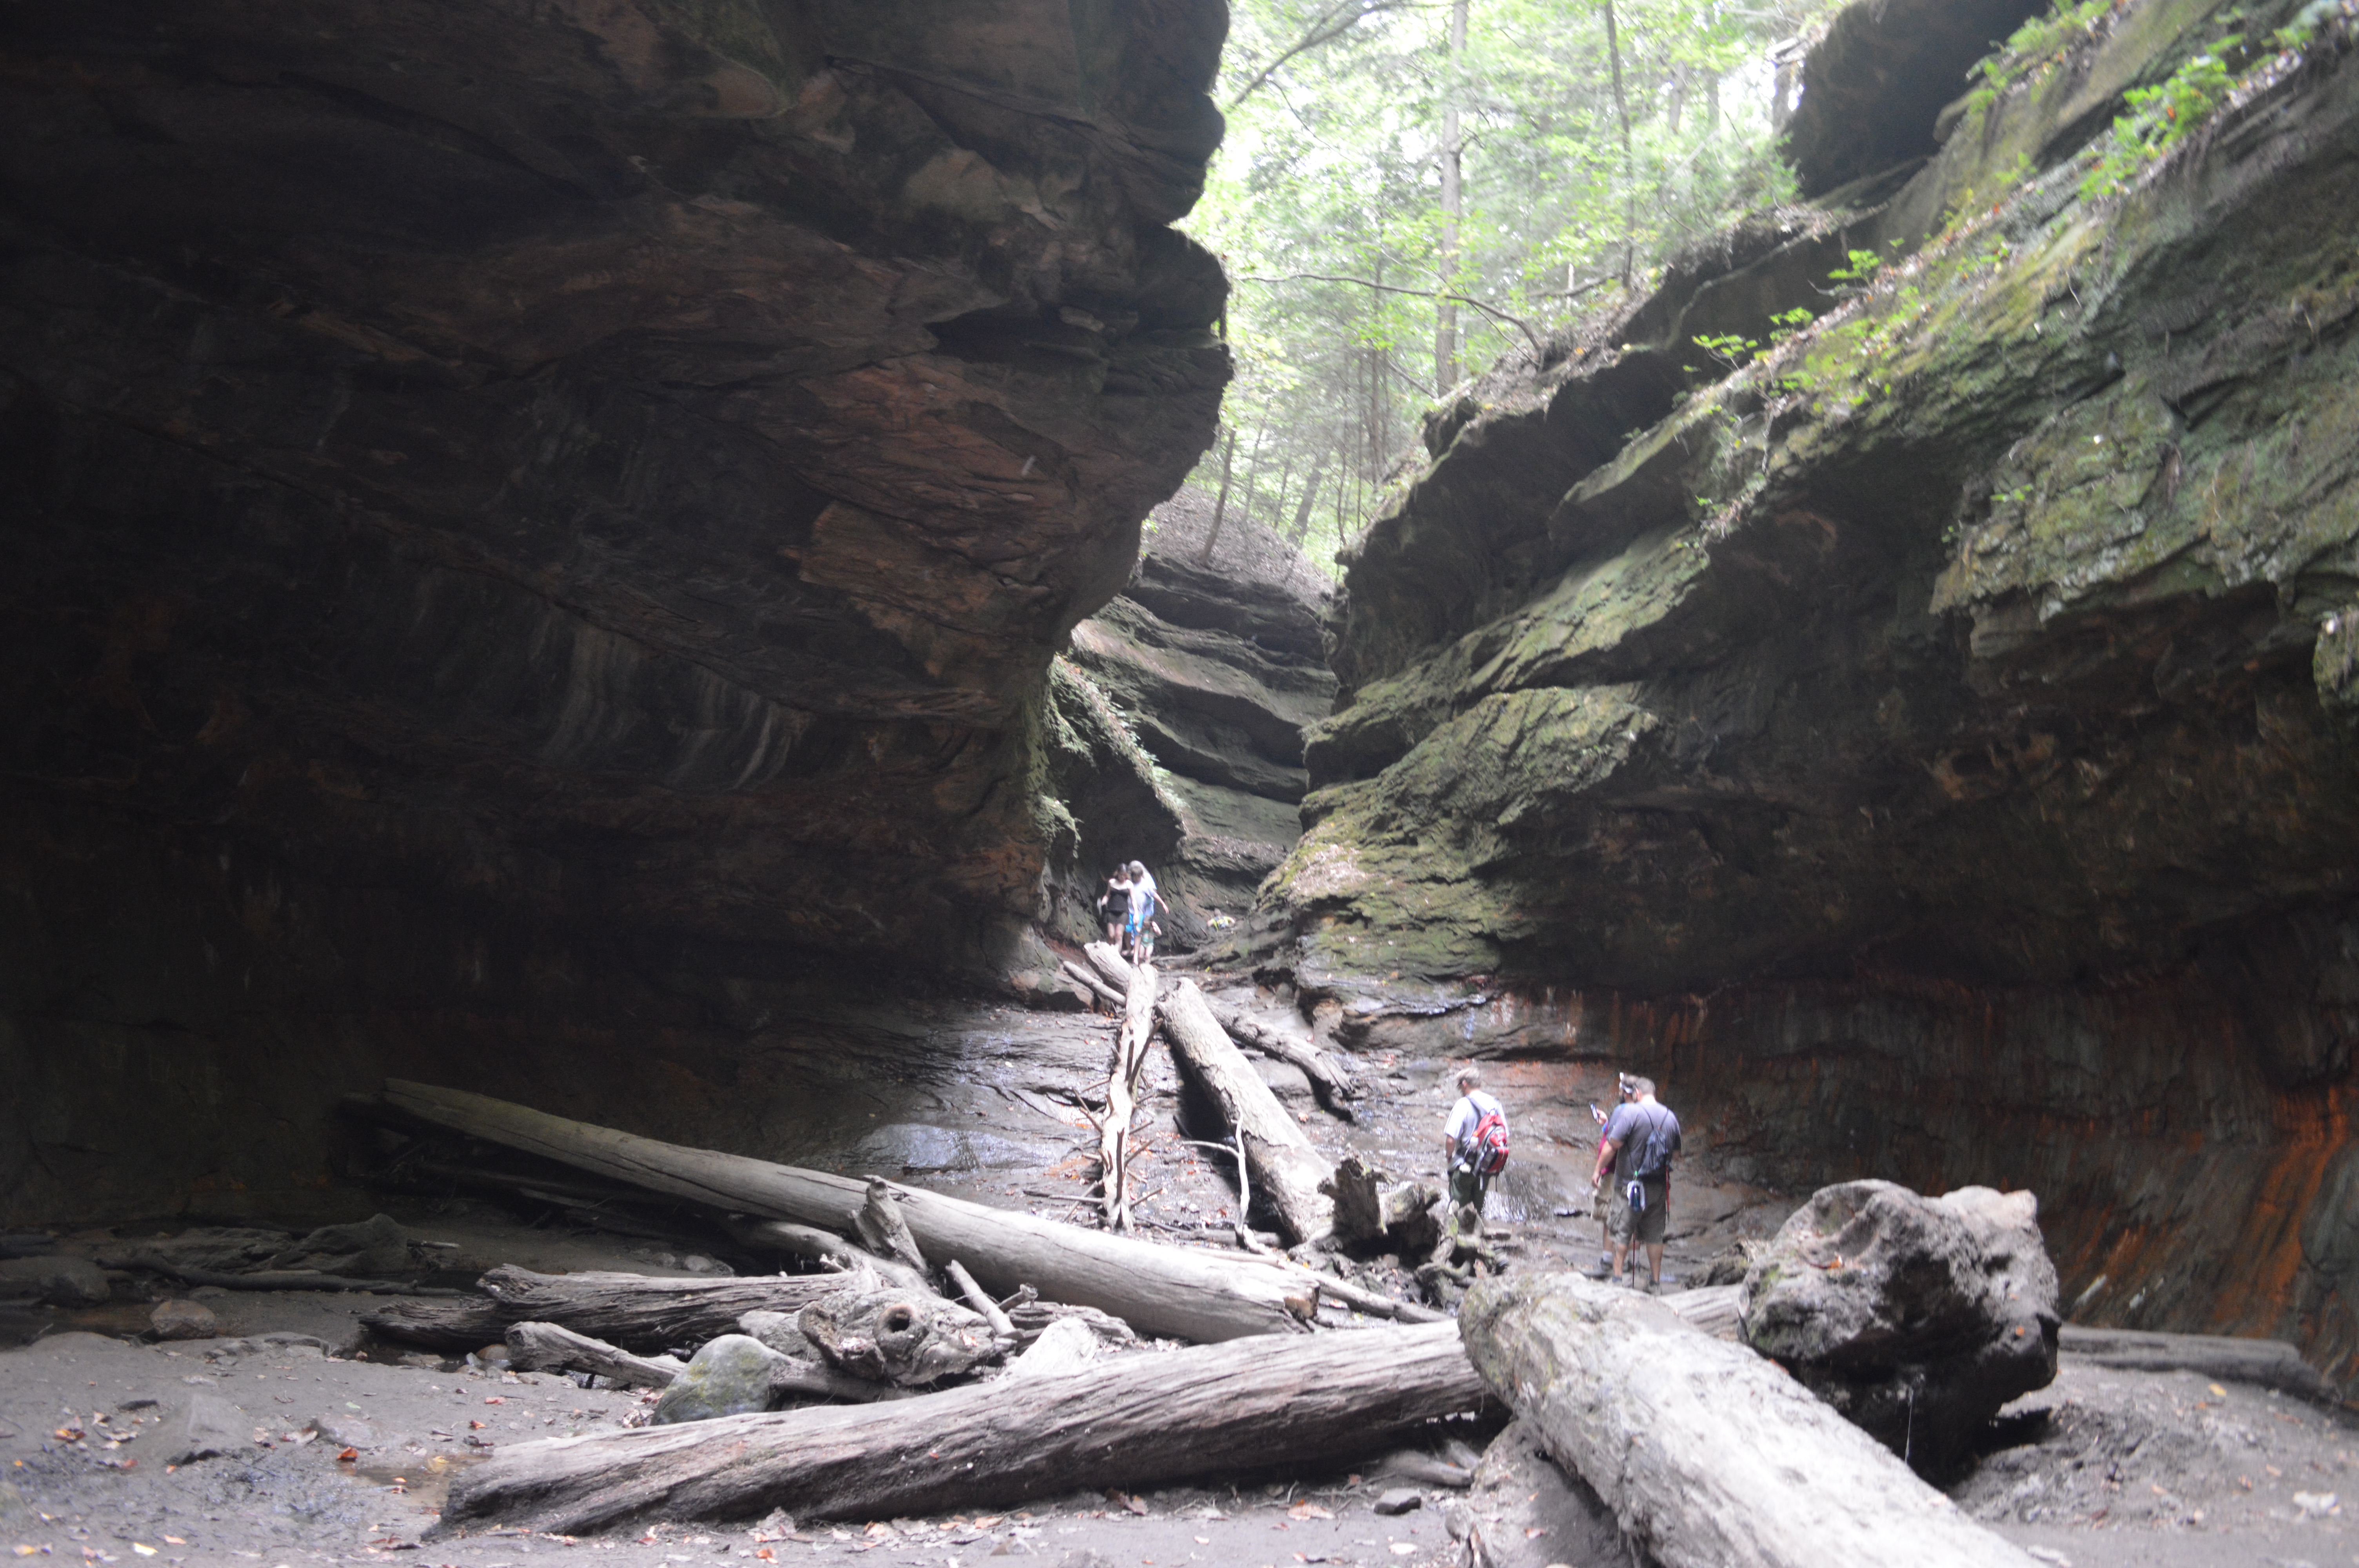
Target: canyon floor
<point>2102,1468</point>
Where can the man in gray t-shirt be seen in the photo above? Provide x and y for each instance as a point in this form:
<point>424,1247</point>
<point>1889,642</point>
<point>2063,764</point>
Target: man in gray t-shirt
<point>1467,1186</point>
<point>1641,1139</point>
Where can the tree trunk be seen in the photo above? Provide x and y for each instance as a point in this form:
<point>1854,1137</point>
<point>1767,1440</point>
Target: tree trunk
<point>1133,1420</point>
<point>1708,1455</point>
<point>822,1246</point>
<point>1163,1291</point>
<point>1121,1095</point>
<point>547,1348</point>
<point>1301,528</point>
<point>1276,1150</point>
<point>634,1311</point>
<point>2271,1363</point>
<point>1220,504</point>
<point>1111,965</point>
<point>1453,208</point>
<point>1629,158</point>
<point>1330,1076</point>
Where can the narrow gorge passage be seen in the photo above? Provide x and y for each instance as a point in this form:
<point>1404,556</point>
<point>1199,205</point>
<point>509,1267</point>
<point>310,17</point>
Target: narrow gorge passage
<point>647,560</point>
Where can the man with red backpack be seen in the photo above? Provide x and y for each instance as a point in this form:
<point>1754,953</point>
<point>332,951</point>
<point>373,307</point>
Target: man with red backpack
<point>1474,1142</point>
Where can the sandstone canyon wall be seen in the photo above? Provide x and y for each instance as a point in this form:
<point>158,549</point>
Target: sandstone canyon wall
<point>1928,745</point>
<point>536,529</point>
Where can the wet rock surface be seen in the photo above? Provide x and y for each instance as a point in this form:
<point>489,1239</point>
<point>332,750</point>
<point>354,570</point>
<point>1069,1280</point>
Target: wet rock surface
<point>1950,695</point>
<point>1918,1318</point>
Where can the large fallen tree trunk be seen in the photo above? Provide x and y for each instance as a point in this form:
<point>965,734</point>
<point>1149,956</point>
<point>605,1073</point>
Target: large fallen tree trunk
<point>1163,1291</point>
<point>1333,1080</point>
<point>636,1311</point>
<point>2271,1363</point>
<point>1123,1074</point>
<point>1278,1152</point>
<point>1708,1455</point>
<point>1127,1422</point>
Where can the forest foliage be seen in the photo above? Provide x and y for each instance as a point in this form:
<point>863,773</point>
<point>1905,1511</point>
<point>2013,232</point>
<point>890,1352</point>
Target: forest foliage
<point>1592,139</point>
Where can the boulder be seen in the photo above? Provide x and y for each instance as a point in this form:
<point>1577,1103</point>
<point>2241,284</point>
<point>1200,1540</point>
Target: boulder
<point>730,1375</point>
<point>344,1431</point>
<point>60,1282</point>
<point>183,1320</point>
<point>777,1330</point>
<point>1916,1317</point>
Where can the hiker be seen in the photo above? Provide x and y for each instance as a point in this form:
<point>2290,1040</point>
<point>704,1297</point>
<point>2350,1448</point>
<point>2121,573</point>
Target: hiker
<point>1113,906</point>
<point>1641,1139</point>
<point>1473,1144</point>
<point>1605,1214</point>
<point>1145,905</point>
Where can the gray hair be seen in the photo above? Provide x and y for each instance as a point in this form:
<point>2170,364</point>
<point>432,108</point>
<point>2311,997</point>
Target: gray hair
<point>1470,1079</point>
<point>1642,1086</point>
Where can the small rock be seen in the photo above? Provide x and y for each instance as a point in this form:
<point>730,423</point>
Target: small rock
<point>183,1320</point>
<point>1401,1501</point>
<point>60,1282</point>
<point>730,1375</point>
<point>2314,1505</point>
<point>1067,1345</point>
<point>208,1427</point>
<point>777,1330</point>
<point>344,1431</point>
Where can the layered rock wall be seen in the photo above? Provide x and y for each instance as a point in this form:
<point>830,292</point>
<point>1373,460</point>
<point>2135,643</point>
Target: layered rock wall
<point>1938,723</point>
<point>537,491</point>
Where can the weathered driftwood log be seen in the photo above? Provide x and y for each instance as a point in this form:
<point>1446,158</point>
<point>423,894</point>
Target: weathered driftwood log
<point>275,1279</point>
<point>1164,1290</point>
<point>1031,1317</point>
<point>1128,1420</point>
<point>883,1228</point>
<point>824,1246</point>
<point>1289,1170</point>
<point>1359,1200</point>
<point>1712,1308</point>
<point>1110,964</point>
<point>905,1338</point>
<point>1708,1455</point>
<point>1090,983</point>
<point>1330,1076</point>
<point>1124,1070</point>
<point>2271,1363</point>
<point>546,1346</point>
<point>634,1311</point>
<point>1002,1325</point>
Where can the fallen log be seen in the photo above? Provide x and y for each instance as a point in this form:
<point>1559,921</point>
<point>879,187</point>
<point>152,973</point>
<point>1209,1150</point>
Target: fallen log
<point>1708,1455</point>
<point>1091,983</point>
<point>884,1230</point>
<point>822,1247</point>
<point>1123,1073</point>
<point>1329,1076</point>
<point>1130,1420</point>
<point>276,1279</point>
<point>1712,1308</point>
<point>636,1311</point>
<point>980,1299</point>
<point>547,1347</point>
<point>2270,1363</point>
<point>1110,964</point>
<point>1164,1291</point>
<point>1289,1170</point>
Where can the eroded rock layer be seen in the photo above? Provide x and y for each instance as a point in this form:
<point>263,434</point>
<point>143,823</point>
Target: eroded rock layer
<point>1210,660</point>
<point>1965,674</point>
<point>526,490</point>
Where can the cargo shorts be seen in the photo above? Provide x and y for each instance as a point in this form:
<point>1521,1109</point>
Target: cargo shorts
<point>1644,1226</point>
